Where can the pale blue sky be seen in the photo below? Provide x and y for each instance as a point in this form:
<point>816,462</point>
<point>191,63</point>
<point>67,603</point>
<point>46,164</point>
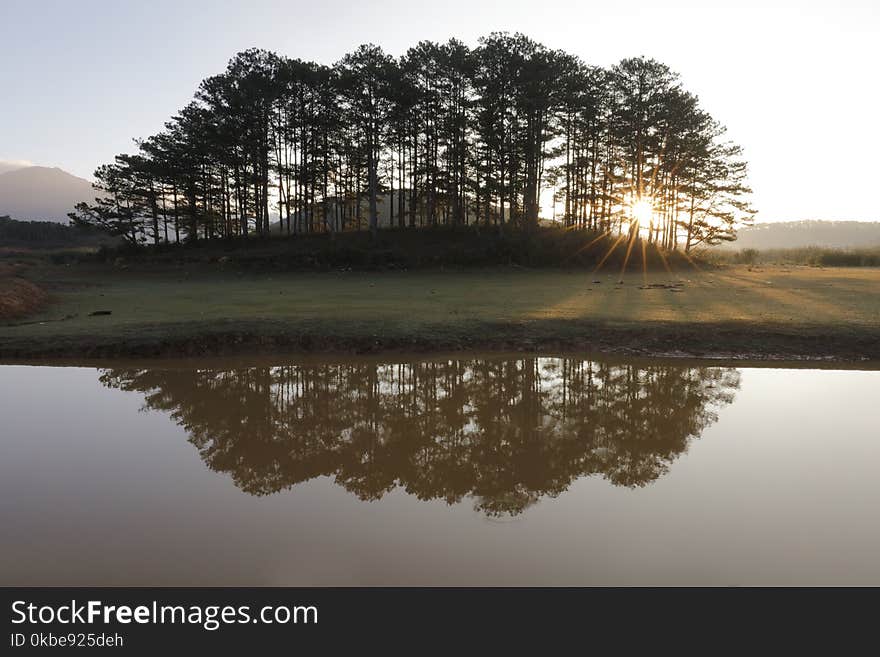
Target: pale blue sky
<point>795,82</point>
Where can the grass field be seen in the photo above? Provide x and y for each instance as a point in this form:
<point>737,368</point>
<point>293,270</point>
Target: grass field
<point>791,312</point>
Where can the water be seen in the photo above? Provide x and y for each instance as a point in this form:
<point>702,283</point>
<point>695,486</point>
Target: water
<point>479,471</point>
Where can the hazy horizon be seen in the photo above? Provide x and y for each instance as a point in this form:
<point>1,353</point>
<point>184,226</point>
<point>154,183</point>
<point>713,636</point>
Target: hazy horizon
<point>787,79</point>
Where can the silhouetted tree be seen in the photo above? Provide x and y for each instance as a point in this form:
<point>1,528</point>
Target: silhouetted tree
<point>443,135</point>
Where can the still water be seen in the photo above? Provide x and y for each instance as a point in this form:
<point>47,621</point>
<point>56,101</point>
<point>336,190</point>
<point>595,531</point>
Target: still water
<point>475,471</point>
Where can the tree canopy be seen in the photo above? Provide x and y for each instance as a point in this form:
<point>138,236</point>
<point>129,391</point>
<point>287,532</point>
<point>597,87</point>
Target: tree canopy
<point>509,132</point>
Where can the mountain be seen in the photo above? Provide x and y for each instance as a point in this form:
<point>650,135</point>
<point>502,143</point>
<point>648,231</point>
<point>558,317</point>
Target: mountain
<point>41,193</point>
<point>12,165</point>
<point>796,234</point>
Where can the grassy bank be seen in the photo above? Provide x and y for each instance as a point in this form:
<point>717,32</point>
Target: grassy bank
<point>732,312</point>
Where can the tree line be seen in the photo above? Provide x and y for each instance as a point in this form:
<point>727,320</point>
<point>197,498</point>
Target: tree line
<point>47,233</point>
<point>502,432</point>
<point>503,134</point>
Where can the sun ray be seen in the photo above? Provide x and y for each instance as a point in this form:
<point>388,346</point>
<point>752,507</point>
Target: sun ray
<point>691,260</point>
<point>629,247</point>
<point>587,245</point>
<point>610,251</point>
<point>663,260</point>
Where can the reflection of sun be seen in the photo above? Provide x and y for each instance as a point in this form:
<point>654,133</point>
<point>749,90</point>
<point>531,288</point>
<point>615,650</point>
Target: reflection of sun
<point>642,211</point>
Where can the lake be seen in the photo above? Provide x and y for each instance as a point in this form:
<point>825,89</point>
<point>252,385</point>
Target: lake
<point>468,470</point>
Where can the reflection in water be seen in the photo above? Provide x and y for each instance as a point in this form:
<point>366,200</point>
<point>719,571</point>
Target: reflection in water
<point>504,432</point>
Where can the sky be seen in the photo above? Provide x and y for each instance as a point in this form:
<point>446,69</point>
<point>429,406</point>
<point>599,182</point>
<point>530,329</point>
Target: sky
<point>796,83</point>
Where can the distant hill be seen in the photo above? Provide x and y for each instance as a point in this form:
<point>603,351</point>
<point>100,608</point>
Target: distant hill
<point>41,193</point>
<point>797,234</point>
<point>12,165</point>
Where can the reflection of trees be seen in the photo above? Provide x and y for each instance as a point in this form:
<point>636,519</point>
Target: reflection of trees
<point>505,432</point>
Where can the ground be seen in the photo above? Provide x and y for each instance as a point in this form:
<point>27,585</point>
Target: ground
<point>18,297</point>
<point>734,312</point>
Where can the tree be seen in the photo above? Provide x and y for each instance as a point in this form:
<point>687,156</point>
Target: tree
<point>445,135</point>
<point>364,76</point>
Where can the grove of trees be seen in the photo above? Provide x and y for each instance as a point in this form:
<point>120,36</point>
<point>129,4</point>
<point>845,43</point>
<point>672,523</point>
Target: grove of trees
<point>507,133</point>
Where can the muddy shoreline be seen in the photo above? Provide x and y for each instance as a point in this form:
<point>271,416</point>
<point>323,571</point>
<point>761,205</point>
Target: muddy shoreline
<point>714,343</point>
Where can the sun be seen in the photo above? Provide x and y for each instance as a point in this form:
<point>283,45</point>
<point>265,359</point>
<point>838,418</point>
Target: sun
<point>642,211</point>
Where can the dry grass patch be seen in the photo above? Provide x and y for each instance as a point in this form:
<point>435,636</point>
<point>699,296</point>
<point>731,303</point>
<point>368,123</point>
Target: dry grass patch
<point>18,297</point>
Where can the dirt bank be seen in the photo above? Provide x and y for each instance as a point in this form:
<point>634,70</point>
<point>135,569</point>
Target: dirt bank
<point>727,341</point>
<point>18,297</point>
